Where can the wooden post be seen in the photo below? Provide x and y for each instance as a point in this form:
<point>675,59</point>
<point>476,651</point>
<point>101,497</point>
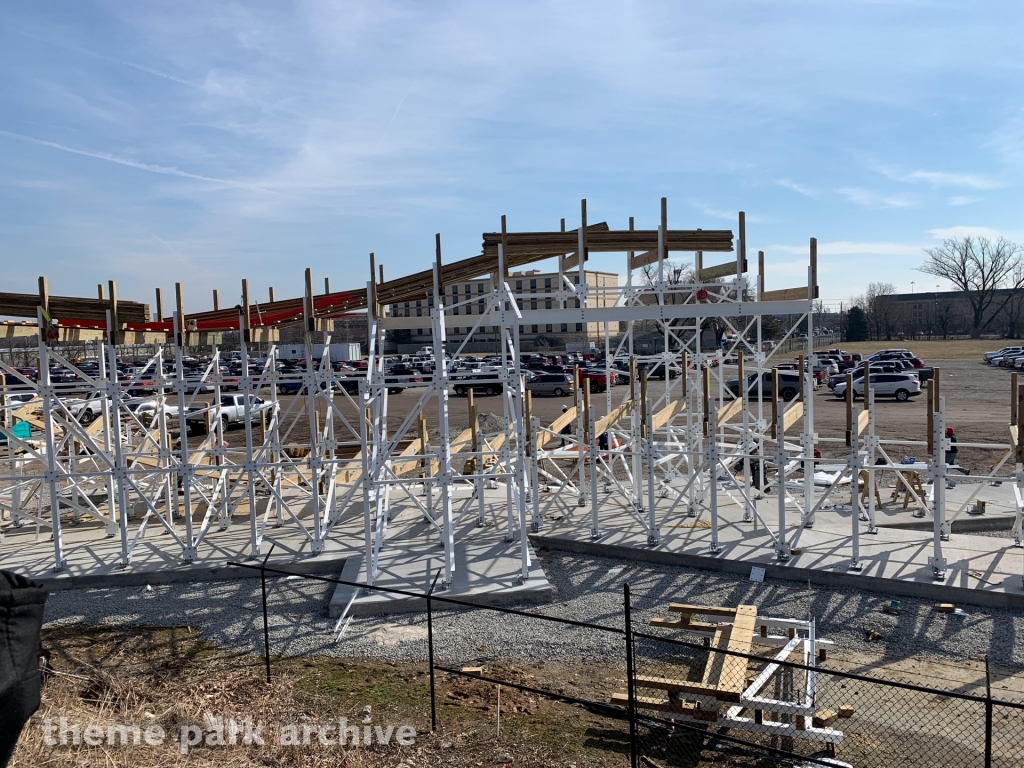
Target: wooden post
<point>706,387</point>
<point>803,374</point>
<point>686,372</point>
<point>99,292</point>
<point>929,400</point>
<point>740,376</point>
<point>44,294</point>
<point>812,289</point>
<point>586,415</point>
<point>528,419</point>
<point>327,285</point>
<point>310,319</point>
<point>643,403</point>
<point>867,383</point>
<point>115,324</point>
<point>179,303</point>
<point>938,387</point>
<point>473,419</point>
<point>775,403</point>
<point>632,380</point>
<point>245,318</point>
<point>381,268</point>
<point>849,409</point>
<point>1020,426</point>
<point>3,400</point>
<point>741,250</point>
<point>159,305</point>
<point>270,292</point>
<point>1013,397</point>
<point>422,426</point>
<point>216,300</point>
<point>581,256</point>
<point>504,249</point>
<point>760,275</point>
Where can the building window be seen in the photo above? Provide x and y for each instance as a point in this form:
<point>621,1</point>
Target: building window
<point>469,289</point>
<point>455,310</point>
<point>479,287</point>
<point>522,329</point>
<point>577,303</point>
<point>576,279</point>
<point>419,331</point>
<point>623,325</point>
<point>547,304</point>
<point>419,311</point>
<point>565,327</point>
<point>533,304</point>
<point>534,329</point>
<point>579,326</point>
<point>519,285</point>
<point>407,304</point>
<point>533,285</point>
<point>469,309</point>
<point>480,305</point>
<point>547,328</point>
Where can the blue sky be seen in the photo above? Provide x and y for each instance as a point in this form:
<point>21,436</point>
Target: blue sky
<point>204,142</point>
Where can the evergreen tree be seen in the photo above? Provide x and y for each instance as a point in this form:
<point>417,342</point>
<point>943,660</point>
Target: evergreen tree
<point>856,325</point>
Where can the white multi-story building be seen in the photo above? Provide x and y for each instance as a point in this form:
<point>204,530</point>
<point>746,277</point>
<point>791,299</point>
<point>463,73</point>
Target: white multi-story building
<point>534,290</point>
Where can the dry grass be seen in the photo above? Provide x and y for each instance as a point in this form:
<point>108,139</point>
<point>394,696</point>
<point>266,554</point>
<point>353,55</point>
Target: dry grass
<point>937,349</point>
<point>143,676</point>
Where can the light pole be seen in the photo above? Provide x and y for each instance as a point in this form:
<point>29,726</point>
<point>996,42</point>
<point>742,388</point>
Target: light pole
<point>911,287</point>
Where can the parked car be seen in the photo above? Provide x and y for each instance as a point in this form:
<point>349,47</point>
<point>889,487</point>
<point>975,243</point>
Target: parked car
<point>597,380</point>
<point>556,384</point>
<point>789,385</point>
<point>902,386</point>
<point>486,383</point>
<point>990,357</point>
<point>232,408</point>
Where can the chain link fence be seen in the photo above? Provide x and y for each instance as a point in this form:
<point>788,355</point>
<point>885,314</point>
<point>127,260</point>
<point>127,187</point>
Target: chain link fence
<point>688,693</point>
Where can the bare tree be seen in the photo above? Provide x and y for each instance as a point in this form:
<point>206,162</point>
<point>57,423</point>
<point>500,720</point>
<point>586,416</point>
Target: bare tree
<point>884,312</point>
<point>979,267</point>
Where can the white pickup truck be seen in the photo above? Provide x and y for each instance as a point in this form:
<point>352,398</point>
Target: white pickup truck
<point>232,409</point>
<point>86,410</point>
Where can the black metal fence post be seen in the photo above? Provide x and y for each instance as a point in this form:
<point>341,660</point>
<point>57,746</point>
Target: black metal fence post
<point>634,756</point>
<point>988,715</point>
<point>266,626</point>
<point>430,652</point>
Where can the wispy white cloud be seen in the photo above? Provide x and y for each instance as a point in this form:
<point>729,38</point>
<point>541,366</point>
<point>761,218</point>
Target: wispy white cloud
<point>852,248</point>
<point>941,178</point>
<point>949,233</point>
<point>964,200</point>
<point>869,199</point>
<point>717,213</point>
<point>799,188</point>
<point>149,167</point>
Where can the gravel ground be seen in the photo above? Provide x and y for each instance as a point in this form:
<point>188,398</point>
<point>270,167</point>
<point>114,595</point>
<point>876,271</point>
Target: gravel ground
<point>229,614</point>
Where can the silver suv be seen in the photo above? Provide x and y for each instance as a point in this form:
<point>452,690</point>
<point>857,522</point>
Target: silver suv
<point>557,384</point>
<point>902,386</point>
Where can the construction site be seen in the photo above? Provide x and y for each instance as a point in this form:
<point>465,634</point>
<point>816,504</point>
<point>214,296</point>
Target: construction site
<point>372,501</point>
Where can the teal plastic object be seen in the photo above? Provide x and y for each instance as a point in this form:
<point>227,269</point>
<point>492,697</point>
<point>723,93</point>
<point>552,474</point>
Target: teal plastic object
<point>21,431</point>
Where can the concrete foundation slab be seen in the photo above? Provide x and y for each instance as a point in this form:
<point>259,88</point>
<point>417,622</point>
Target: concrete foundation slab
<point>980,570</point>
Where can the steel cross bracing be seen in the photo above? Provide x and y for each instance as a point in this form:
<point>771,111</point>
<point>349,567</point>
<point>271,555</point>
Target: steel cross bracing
<point>329,462</point>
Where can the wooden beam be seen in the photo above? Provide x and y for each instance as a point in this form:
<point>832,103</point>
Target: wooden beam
<point>785,294</point>
<point>793,414</point>
<point>721,270</point>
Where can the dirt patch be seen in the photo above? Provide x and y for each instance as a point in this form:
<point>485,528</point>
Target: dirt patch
<point>168,677</point>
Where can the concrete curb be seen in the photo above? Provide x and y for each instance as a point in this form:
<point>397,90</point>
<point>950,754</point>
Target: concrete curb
<point>827,578</point>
